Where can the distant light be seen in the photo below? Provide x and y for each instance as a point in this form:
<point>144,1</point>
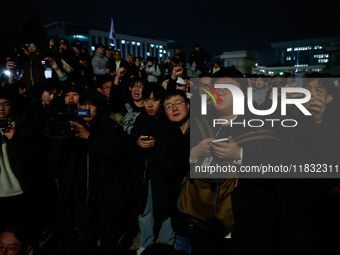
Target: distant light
<point>79,36</point>
<point>122,41</point>
<point>128,42</point>
<point>256,64</point>
<point>160,51</point>
<point>161,46</point>
<point>160,55</point>
<point>138,43</point>
<point>133,43</point>
<point>8,73</point>
<point>157,46</point>
<point>281,73</point>
<point>148,53</point>
<point>93,48</point>
<point>263,71</point>
<point>152,45</point>
<point>112,44</point>
<point>164,51</point>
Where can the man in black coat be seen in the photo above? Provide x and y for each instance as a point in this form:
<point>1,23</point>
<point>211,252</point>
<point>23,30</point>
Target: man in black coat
<point>94,184</point>
<point>151,184</point>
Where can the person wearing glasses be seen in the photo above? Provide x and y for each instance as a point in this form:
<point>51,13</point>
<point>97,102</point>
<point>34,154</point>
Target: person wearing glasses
<point>15,239</point>
<point>172,153</point>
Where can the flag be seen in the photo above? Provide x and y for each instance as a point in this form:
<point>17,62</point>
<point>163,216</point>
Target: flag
<point>112,35</point>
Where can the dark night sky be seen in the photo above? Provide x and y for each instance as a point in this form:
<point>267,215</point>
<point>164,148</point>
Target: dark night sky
<point>217,25</point>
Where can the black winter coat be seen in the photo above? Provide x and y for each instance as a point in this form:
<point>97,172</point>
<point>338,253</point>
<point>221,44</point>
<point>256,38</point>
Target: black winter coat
<point>147,168</point>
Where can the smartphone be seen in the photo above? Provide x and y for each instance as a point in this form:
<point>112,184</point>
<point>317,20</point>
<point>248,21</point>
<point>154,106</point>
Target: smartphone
<point>220,140</point>
<point>144,137</point>
<point>43,62</point>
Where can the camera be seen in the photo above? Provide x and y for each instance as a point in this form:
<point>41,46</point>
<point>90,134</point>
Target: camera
<point>59,126</point>
<point>20,45</point>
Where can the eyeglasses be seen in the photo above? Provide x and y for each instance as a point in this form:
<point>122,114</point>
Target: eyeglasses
<point>11,249</point>
<point>107,87</point>
<point>224,91</point>
<point>138,86</point>
<point>5,105</point>
<point>170,107</point>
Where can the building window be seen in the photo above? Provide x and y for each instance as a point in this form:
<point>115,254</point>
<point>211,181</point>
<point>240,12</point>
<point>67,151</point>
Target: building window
<point>133,43</point>
<point>289,49</point>
<point>106,42</point>
<point>302,48</point>
<point>99,39</point>
<point>93,40</point>
<point>301,65</point>
<point>122,41</point>
<point>322,60</point>
<point>321,56</point>
<point>138,43</point>
<point>317,47</point>
<point>148,53</point>
<point>289,58</point>
<point>152,45</point>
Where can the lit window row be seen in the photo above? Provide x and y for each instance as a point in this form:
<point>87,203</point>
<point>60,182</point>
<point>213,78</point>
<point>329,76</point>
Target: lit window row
<point>321,56</point>
<point>79,36</point>
<point>301,65</point>
<point>316,70</point>
<point>270,72</point>
<point>289,49</point>
<point>302,48</point>
<point>317,47</point>
<point>322,60</point>
<point>289,58</point>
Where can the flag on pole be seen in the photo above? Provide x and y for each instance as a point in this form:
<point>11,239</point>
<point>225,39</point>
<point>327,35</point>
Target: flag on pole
<point>112,35</point>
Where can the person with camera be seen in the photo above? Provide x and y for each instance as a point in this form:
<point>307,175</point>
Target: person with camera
<point>93,186</point>
<point>59,51</point>
<point>23,179</point>
<point>30,60</point>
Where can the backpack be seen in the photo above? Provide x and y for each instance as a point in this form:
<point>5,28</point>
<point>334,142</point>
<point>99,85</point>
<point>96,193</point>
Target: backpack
<point>129,119</point>
<point>205,202</point>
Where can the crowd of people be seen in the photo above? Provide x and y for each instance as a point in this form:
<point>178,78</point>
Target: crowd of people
<point>102,150</point>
